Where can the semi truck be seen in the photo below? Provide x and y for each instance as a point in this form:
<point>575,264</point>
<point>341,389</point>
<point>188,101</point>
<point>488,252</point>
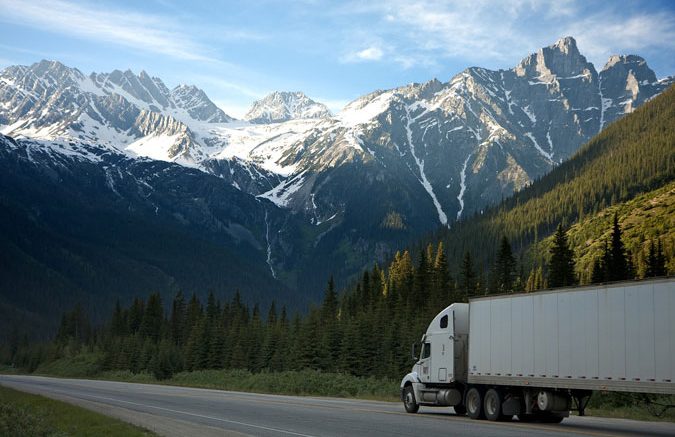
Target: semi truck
<point>540,355</point>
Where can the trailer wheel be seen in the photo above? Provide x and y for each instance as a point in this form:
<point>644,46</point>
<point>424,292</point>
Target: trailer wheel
<point>409,401</point>
<point>474,404</point>
<point>460,410</point>
<point>493,405</point>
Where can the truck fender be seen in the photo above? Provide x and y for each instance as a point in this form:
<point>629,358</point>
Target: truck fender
<point>412,378</point>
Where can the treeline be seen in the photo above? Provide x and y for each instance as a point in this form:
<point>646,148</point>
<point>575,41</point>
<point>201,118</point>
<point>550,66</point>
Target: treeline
<point>365,331</point>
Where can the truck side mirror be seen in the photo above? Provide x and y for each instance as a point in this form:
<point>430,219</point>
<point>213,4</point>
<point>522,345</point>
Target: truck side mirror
<point>414,352</point>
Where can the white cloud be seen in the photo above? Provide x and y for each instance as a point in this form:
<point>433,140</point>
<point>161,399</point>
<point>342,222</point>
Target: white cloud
<point>605,35</point>
<point>372,53</point>
<point>145,32</point>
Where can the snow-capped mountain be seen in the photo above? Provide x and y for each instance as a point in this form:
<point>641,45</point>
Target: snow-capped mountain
<point>283,106</point>
<point>342,189</point>
<point>121,110</point>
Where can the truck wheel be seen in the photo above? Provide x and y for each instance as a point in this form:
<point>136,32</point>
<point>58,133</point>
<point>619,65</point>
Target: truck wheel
<point>409,402</point>
<point>493,405</point>
<point>460,410</point>
<point>474,404</point>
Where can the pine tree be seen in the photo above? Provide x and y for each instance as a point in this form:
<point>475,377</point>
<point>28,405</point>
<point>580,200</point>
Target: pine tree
<point>136,315</point>
<point>467,277</point>
<point>660,266</point>
<point>178,319</point>
<point>330,302</point>
<point>443,282</point>
<point>598,272</point>
<point>118,325</point>
<point>617,262</point>
<point>504,269</point>
<point>656,261</point>
<point>153,318</point>
<point>561,268</point>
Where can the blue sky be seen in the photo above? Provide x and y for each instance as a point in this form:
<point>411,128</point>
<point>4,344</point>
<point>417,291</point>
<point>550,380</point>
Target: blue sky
<point>238,51</point>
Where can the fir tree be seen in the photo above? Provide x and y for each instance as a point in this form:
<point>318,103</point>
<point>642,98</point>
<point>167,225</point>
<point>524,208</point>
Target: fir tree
<point>178,319</point>
<point>561,268</point>
<point>152,318</point>
<point>467,277</point>
<point>504,269</point>
<point>617,263</point>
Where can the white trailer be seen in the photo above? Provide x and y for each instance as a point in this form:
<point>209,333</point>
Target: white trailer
<point>538,355</point>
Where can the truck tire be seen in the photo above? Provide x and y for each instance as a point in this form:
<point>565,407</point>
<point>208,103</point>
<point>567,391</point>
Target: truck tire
<point>492,405</point>
<point>460,410</point>
<point>474,404</point>
<point>409,401</point>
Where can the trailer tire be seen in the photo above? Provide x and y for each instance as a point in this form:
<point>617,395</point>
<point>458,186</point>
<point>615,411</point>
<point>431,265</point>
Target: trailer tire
<point>492,405</point>
<point>409,401</point>
<point>474,404</point>
<point>460,410</point>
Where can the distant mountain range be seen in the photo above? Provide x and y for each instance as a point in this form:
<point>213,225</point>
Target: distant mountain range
<point>293,191</point>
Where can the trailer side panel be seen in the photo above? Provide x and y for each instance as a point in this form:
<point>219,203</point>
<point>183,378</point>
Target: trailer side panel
<point>607,337</point>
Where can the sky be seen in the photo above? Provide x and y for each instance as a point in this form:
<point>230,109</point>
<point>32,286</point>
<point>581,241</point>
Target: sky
<point>334,51</point>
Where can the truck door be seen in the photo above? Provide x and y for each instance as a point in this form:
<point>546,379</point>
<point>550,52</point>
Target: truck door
<point>442,348</point>
<point>425,362</point>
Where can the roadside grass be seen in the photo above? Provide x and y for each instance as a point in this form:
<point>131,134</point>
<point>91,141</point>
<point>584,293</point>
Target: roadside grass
<point>296,383</point>
<point>82,365</point>
<point>23,414</point>
<point>625,406</point>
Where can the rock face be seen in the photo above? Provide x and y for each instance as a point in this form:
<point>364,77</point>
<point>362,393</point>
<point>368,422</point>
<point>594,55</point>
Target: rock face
<point>283,106</point>
<point>390,166</point>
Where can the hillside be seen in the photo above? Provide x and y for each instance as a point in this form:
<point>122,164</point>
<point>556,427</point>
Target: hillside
<point>75,231</point>
<point>643,219</point>
<point>630,157</point>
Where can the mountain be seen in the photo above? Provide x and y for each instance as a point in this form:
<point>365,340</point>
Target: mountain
<point>283,106</point>
<point>307,197</point>
<point>82,224</point>
<point>628,168</point>
<point>120,110</point>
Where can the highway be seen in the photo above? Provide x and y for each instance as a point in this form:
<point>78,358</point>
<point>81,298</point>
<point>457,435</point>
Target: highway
<point>181,411</point>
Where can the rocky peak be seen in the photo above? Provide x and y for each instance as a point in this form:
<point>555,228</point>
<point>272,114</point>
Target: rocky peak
<point>283,106</point>
<point>198,105</point>
<point>560,60</point>
<point>623,65</point>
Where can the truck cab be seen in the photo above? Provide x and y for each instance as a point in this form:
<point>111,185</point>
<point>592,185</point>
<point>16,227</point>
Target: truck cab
<point>440,371</point>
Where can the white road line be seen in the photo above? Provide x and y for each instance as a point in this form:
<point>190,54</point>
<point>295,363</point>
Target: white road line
<point>282,431</point>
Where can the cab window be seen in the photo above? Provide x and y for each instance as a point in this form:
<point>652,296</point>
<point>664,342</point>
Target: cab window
<point>426,351</point>
<point>444,321</point>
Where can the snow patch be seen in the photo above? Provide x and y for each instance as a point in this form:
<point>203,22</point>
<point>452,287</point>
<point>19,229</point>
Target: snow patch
<point>361,112</point>
<point>423,178</point>
<point>538,147</point>
<point>269,246</point>
<point>281,194</point>
<point>462,187</point>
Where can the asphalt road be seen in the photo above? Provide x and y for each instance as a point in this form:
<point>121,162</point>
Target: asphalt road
<point>179,411</point>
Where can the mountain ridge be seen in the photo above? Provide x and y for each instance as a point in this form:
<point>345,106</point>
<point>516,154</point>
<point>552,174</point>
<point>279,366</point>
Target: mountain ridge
<point>331,193</point>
